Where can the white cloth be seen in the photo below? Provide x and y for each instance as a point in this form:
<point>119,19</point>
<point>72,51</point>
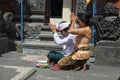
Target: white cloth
<point>62,25</point>
<point>67,42</point>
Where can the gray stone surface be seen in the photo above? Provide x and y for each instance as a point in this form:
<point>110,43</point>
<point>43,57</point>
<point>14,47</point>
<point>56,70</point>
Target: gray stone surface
<point>13,67</point>
<point>107,53</point>
<point>93,73</point>
<point>108,56</point>
<point>4,73</point>
<point>13,61</point>
<point>39,47</point>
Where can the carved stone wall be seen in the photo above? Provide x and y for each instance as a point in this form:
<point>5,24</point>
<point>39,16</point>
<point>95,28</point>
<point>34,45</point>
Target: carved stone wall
<point>107,25</point>
<point>34,13</point>
<point>107,36</point>
<point>29,5</point>
<point>82,7</point>
<point>32,32</point>
<point>35,5</point>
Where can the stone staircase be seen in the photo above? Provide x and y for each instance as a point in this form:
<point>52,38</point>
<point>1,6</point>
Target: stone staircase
<point>42,45</point>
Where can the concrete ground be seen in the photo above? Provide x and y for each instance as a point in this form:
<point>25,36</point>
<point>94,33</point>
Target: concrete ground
<point>16,66</point>
<point>93,73</point>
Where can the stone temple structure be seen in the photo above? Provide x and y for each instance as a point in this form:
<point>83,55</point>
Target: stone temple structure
<point>107,33</point>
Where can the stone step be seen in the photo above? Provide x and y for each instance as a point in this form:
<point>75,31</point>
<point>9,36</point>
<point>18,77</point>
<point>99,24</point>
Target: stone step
<point>45,28</point>
<point>26,16</point>
<point>39,47</point>
<point>47,35</point>
<point>49,32</point>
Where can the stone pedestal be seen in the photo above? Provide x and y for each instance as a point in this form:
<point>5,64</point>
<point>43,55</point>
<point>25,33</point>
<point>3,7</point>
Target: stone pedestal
<point>107,53</point>
<point>3,45</point>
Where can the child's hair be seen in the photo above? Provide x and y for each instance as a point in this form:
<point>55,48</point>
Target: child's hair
<point>84,17</point>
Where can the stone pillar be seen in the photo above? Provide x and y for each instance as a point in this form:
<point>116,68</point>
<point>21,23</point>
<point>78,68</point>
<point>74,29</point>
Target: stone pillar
<point>37,8</point>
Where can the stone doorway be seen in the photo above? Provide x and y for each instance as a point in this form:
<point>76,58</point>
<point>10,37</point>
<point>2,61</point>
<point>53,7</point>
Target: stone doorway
<point>60,10</point>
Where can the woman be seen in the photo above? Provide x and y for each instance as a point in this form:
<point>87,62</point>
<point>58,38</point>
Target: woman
<point>77,60</point>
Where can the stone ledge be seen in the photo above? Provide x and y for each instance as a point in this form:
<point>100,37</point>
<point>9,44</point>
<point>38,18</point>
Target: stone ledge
<point>41,44</point>
<point>108,43</point>
<point>40,47</point>
<point>107,56</point>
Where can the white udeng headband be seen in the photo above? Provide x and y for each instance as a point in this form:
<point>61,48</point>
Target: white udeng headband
<point>62,25</point>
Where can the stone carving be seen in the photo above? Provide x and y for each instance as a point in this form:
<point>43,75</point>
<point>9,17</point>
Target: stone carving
<point>108,30</point>
<point>107,25</point>
<point>29,5</point>
<point>9,25</point>
<point>110,10</point>
<point>81,6</point>
<point>36,5</point>
<point>30,32</point>
<point>2,33</point>
<point>15,5</point>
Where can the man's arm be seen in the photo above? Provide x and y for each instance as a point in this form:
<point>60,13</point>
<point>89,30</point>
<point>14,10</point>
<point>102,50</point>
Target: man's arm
<point>56,37</point>
<point>59,40</point>
<point>73,21</point>
<point>52,27</point>
<point>72,28</point>
<point>79,30</point>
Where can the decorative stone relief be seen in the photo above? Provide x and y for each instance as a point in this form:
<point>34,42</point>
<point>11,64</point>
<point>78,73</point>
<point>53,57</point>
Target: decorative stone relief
<point>108,25</point>
<point>30,32</point>
<point>36,5</point>
<point>81,6</point>
<point>15,5</point>
<point>29,5</point>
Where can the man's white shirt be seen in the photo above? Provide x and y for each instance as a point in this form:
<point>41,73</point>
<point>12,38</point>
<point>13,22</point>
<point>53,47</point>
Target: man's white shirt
<point>67,42</point>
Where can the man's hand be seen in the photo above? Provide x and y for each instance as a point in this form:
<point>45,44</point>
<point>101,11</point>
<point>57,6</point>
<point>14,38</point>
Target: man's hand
<point>73,17</point>
<point>52,27</point>
<point>88,1</point>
